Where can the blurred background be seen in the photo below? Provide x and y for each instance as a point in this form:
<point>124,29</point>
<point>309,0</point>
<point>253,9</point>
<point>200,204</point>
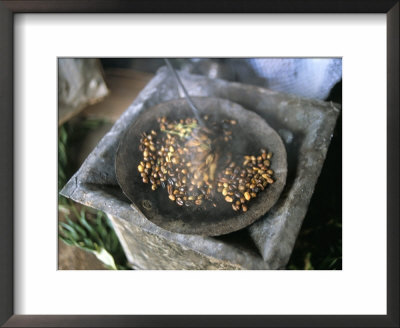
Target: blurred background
<point>93,93</point>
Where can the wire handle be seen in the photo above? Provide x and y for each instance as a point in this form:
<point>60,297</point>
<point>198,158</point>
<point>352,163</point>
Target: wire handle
<point>188,99</point>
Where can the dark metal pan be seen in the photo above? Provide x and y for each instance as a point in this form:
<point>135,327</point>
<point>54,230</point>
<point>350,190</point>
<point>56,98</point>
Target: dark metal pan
<point>250,135</point>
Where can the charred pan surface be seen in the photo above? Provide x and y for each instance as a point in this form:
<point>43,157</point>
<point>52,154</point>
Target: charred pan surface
<point>250,134</point>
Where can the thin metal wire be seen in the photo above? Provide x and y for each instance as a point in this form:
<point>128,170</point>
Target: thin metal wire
<point>188,99</point>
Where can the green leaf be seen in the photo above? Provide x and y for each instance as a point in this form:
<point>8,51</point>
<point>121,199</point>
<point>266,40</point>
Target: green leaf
<point>67,241</point>
<point>86,249</point>
<point>63,135</point>
<point>101,229</point>
<point>89,228</point>
<point>89,243</point>
<point>62,154</point>
<point>114,241</point>
<point>71,230</point>
<point>61,174</point>
<point>65,234</point>
<point>110,242</point>
<point>77,227</point>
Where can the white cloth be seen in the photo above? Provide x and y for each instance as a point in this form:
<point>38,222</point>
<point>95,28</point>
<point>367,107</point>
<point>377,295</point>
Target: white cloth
<point>305,77</point>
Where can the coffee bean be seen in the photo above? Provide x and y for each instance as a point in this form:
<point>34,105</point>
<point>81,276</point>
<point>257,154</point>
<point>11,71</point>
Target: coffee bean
<point>169,160</point>
<point>238,194</point>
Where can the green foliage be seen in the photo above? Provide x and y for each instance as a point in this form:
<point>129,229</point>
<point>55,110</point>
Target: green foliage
<point>70,135</point>
<point>94,235</point>
<point>88,230</point>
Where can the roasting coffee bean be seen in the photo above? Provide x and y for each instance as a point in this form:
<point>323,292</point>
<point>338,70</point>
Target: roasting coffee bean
<point>167,162</point>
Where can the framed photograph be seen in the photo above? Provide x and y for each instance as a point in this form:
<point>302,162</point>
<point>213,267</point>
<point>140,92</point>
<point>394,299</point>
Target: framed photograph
<point>35,291</point>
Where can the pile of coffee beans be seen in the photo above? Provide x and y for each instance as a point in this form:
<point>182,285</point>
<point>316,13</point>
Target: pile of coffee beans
<point>180,158</point>
<point>240,183</point>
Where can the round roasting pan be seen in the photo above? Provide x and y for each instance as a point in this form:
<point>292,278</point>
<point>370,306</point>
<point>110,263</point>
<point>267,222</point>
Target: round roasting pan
<point>250,134</point>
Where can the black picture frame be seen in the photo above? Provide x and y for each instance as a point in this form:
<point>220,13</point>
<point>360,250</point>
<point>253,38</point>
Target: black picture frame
<point>7,11</point>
